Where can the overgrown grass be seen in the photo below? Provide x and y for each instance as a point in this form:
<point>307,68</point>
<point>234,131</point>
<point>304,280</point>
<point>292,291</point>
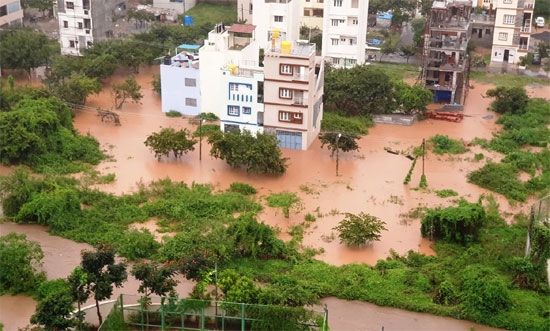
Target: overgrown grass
<point>506,80</point>
<point>398,71</point>
<point>285,200</point>
<point>204,13</point>
<point>336,123</point>
<point>446,193</point>
<point>442,144</point>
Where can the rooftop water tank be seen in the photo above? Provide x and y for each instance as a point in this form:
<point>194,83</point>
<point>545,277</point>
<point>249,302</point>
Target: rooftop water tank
<point>286,47</point>
<point>233,68</point>
<point>167,60</point>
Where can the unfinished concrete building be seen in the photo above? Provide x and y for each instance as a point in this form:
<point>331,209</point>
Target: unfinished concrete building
<point>445,68</point>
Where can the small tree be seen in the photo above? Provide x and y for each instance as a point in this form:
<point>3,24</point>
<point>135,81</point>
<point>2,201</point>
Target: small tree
<point>357,230</point>
<point>511,100</point>
<point>20,261</point>
<point>337,141</point>
<point>76,88</point>
<point>103,273</point>
<point>130,89</point>
<point>169,140</point>
<point>387,48</point>
<point>55,306</point>
<point>408,51</point>
<point>77,281</point>
<point>155,279</point>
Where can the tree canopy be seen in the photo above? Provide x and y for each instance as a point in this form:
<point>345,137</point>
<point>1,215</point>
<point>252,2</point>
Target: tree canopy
<point>169,140</point>
<point>511,100</point>
<point>259,153</point>
<point>357,230</point>
<point>25,49</point>
<point>127,90</point>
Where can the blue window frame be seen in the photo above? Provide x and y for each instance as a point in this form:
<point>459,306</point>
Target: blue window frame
<point>233,110</point>
<point>247,110</point>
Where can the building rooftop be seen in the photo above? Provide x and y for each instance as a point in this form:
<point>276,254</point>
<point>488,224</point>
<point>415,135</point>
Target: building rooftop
<point>297,48</point>
<point>242,28</point>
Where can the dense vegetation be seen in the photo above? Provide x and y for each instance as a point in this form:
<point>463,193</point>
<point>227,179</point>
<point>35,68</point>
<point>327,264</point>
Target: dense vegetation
<point>523,140</point>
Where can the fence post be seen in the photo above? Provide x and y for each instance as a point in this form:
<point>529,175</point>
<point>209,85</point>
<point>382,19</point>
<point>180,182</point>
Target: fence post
<point>242,317</point>
<point>202,317</point>
<point>162,321</point>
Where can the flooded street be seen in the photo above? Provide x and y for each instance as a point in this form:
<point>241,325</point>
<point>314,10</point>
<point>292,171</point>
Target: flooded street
<point>370,181</point>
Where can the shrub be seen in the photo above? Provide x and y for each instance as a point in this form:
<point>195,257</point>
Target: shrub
<point>173,113</point>
<point>136,245</point>
<point>242,188</point>
<point>500,178</point>
<point>483,291</point>
<point>357,230</point>
<point>446,294</point>
<point>446,193</point>
<point>284,200</point>
<point>459,224</point>
<point>444,144</point>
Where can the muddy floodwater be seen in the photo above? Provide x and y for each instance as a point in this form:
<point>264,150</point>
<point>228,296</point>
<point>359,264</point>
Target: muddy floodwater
<point>369,180</point>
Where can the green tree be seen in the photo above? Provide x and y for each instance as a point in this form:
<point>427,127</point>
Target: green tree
<point>407,51</point>
<point>361,90</point>
<point>460,224</point>
<point>129,89</point>
<point>155,279</point>
<point>76,88</point>
<point>418,26</point>
<point>388,47</point>
<point>155,83</point>
<point>511,100</point>
<point>543,48</point>
<point>169,140</point>
<point>102,273</point>
<point>77,281</point>
<point>335,141</point>
<point>412,99</point>
<point>24,49</point>
<point>55,306</point>
<point>253,239</point>
<point>259,153</point>
<point>20,263</point>
<point>357,230</point>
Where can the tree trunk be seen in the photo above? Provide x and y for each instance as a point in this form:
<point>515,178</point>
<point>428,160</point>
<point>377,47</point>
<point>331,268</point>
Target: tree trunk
<point>100,318</point>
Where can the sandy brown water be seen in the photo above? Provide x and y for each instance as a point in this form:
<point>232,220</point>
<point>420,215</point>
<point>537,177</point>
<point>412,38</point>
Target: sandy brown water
<point>370,181</point>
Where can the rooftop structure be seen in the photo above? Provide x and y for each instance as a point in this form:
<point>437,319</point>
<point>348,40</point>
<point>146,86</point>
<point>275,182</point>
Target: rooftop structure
<point>445,61</point>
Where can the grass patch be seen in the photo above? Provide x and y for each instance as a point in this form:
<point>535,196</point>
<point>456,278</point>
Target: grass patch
<point>398,71</point>
<point>285,200</point>
<point>205,13</point>
<point>506,80</point>
<point>446,193</point>
<point>334,122</point>
<point>173,113</point>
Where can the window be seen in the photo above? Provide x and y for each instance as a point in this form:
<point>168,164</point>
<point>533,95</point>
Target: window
<point>284,116</point>
<point>3,11</point>
<point>507,1</point>
<point>191,102</point>
<point>487,31</point>
<point>318,12</point>
<point>278,18</point>
<point>247,110</point>
<point>234,87</point>
<point>80,25</point>
<point>71,43</point>
<point>285,93</point>
<point>65,24</point>
<point>233,110</point>
<point>353,42</point>
<point>334,41</point>
<point>503,36</point>
<point>354,21</point>
<point>306,12</point>
<point>338,3</point>
<point>285,69</point>
<point>343,40</point>
<point>89,44</point>
<point>69,5</point>
<point>190,82</point>
<point>354,3</point>
<point>509,19</point>
<point>298,116</point>
<point>334,22</point>
<point>336,60</point>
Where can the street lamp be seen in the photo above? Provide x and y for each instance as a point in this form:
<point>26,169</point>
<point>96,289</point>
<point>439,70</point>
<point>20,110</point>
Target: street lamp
<point>200,139</point>
<point>337,149</point>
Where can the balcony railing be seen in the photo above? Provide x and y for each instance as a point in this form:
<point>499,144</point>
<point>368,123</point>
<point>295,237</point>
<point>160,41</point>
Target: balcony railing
<point>525,29</point>
<point>299,101</point>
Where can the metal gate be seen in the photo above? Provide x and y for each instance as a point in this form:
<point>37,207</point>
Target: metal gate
<point>287,139</point>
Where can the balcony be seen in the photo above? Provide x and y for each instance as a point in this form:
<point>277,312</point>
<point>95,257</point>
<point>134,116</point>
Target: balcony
<point>300,101</point>
<point>525,29</point>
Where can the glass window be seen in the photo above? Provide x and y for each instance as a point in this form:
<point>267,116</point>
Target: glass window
<point>190,82</point>
<point>247,110</point>
<point>69,5</point>
<point>284,116</point>
<point>233,110</point>
<point>285,93</point>
<point>285,69</point>
<point>191,102</point>
<point>278,18</point>
<point>503,36</point>
<point>509,19</point>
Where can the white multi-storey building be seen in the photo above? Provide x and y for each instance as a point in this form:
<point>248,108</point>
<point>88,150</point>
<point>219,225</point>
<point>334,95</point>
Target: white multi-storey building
<point>180,81</point>
<point>293,94</point>
<point>345,32</point>
<point>312,14</point>
<point>11,13</point>
<point>83,22</point>
<point>282,16</point>
<point>512,33</point>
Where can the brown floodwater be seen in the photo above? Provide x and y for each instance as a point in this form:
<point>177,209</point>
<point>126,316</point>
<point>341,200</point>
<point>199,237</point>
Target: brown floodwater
<point>369,180</point>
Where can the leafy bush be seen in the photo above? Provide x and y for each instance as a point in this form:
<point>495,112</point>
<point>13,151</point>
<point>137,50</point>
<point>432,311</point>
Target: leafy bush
<point>509,99</point>
<point>443,144</point>
<point>459,224</point>
<point>336,123</point>
<point>254,239</point>
<point>500,178</point>
<point>357,230</point>
<point>136,245</point>
<point>483,291</point>
<point>284,200</point>
<point>446,193</point>
<point>446,294</point>
<point>242,188</point>
<point>173,113</point>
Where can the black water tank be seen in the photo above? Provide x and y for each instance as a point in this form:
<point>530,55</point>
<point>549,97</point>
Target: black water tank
<point>167,60</point>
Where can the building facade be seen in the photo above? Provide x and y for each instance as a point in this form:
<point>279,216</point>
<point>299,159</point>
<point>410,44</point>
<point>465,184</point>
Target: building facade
<point>513,25</point>
<point>445,61</point>
<point>312,14</point>
<point>293,94</point>
<point>180,81</point>
<point>279,17</point>
<point>83,22</point>
<point>345,32</point>
<point>11,13</point>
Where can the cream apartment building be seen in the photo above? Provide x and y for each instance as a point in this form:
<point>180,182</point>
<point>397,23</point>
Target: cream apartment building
<point>11,13</point>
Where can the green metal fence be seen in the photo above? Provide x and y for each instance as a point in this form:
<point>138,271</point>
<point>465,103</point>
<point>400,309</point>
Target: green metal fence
<point>165,313</point>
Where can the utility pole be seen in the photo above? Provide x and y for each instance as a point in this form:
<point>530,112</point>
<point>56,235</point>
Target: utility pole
<point>200,139</point>
<point>337,149</point>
